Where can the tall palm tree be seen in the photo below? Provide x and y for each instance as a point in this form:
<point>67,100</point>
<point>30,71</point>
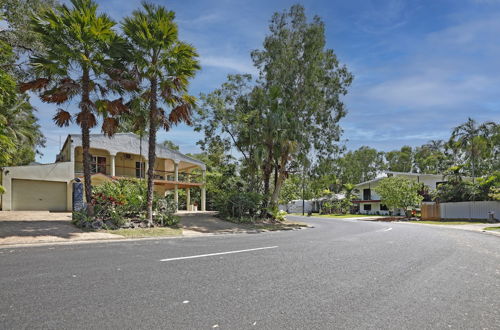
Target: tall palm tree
<point>164,65</point>
<point>80,44</point>
<point>469,137</point>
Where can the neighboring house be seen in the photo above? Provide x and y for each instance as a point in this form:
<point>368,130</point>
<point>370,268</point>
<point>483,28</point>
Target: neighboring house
<point>369,202</point>
<point>310,205</point>
<point>49,186</point>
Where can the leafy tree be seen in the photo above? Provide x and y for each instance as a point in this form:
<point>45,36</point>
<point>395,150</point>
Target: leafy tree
<point>80,43</point>
<point>17,32</point>
<point>164,65</point>
<point>20,133</point>
<point>304,84</point>
<point>494,193</point>
<point>431,158</point>
<point>360,165</point>
<point>400,161</point>
<point>473,141</point>
<point>171,145</point>
<point>292,190</point>
<point>278,122</point>
<point>399,192</point>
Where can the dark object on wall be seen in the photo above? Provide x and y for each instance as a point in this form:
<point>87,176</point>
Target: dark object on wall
<point>78,203</point>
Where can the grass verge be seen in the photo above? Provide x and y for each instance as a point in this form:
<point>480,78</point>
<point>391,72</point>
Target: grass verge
<point>450,222</point>
<point>492,228</point>
<point>272,226</point>
<point>338,216</point>
<point>146,232</point>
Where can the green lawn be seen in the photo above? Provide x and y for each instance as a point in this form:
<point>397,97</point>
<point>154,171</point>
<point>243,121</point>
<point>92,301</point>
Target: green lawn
<point>492,228</point>
<point>451,222</point>
<point>285,225</point>
<point>339,216</point>
<point>146,232</point>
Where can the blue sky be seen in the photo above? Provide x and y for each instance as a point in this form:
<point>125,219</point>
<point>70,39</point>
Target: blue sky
<point>421,67</point>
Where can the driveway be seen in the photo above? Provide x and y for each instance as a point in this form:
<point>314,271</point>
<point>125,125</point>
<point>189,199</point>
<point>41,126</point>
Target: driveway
<point>28,227</point>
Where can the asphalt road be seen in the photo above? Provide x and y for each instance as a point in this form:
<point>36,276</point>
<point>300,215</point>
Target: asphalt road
<point>338,275</point>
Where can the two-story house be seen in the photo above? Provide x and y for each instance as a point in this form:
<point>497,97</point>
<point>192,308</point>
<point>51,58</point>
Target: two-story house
<point>370,203</point>
<point>49,186</point>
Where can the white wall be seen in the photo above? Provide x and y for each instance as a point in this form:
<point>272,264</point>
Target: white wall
<point>296,206</point>
<point>469,210</point>
<point>59,172</point>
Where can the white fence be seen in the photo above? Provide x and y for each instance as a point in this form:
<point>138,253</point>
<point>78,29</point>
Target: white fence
<point>296,206</point>
<point>469,210</point>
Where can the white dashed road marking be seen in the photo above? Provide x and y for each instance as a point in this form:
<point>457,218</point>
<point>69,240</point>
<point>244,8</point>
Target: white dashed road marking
<point>218,253</point>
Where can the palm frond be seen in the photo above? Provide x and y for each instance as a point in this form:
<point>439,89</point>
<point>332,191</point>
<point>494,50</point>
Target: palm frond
<point>181,113</point>
<point>62,118</point>
<point>34,85</point>
<point>110,126</point>
<point>86,117</point>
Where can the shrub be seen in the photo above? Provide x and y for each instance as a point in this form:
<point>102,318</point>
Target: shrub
<point>277,214</point>
<point>164,212</point>
<point>118,201</point>
<point>238,204</point>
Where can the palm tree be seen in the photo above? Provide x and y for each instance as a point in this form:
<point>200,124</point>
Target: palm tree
<point>469,137</point>
<point>164,65</point>
<point>19,125</point>
<point>80,44</point>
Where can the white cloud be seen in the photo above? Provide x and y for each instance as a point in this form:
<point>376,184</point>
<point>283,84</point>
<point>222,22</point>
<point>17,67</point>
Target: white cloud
<point>239,65</point>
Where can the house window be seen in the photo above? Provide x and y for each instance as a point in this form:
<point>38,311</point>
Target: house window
<point>367,207</point>
<point>139,169</point>
<point>383,207</point>
<point>367,194</point>
<point>98,165</point>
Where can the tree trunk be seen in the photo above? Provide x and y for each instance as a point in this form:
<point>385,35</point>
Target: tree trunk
<point>152,147</point>
<point>85,108</point>
<point>277,187</point>
<point>281,179</point>
<point>266,177</point>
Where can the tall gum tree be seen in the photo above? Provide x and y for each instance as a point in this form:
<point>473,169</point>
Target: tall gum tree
<point>164,65</point>
<point>305,84</point>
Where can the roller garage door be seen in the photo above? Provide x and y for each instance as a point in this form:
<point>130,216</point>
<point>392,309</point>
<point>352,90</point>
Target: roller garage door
<point>33,195</point>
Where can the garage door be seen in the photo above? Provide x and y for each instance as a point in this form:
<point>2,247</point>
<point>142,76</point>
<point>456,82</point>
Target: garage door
<point>38,195</point>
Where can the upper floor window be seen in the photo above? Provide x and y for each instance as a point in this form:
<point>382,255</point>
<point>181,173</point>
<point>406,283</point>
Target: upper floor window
<point>367,194</point>
<point>98,164</point>
<point>139,169</point>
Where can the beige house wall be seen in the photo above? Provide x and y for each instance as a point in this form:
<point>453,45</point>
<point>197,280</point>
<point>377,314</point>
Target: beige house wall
<point>58,172</point>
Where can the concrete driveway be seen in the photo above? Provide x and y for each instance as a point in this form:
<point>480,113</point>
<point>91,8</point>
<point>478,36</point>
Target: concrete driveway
<point>28,227</point>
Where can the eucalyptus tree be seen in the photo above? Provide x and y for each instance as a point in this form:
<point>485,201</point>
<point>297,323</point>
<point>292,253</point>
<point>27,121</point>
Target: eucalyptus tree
<point>292,111</point>
<point>305,82</point>
<point>473,141</point>
<point>164,65</point>
<point>78,62</point>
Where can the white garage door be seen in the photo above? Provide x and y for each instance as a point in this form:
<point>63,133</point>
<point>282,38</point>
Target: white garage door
<point>36,195</point>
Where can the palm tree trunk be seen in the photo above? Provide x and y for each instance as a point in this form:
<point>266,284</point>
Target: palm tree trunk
<point>152,147</point>
<point>86,139</point>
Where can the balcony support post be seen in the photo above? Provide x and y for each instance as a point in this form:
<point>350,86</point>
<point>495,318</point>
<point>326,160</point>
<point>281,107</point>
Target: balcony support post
<point>188,192</point>
<point>203,192</point>
<point>113,165</point>
<point>176,192</point>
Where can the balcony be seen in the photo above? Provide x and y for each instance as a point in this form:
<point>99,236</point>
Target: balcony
<point>133,172</point>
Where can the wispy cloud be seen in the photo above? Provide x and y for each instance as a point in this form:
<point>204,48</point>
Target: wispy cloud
<point>234,64</point>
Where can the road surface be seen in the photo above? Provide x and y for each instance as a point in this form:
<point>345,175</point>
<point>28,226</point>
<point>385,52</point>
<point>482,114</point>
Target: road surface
<point>342,274</point>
